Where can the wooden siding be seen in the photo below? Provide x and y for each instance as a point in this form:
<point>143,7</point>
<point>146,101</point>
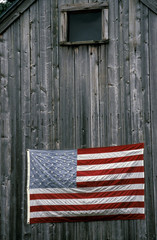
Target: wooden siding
<point>13,13</point>
<point>152,4</point>
<point>64,97</point>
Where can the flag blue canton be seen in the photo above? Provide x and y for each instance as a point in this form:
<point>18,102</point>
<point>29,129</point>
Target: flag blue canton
<point>53,169</point>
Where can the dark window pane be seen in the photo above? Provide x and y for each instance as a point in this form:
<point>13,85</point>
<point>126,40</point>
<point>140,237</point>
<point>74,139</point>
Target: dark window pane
<point>84,26</point>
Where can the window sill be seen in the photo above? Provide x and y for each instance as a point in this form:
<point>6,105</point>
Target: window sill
<point>84,43</point>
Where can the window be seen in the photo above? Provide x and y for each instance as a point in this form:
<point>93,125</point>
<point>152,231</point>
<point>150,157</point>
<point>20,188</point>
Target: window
<point>84,24</point>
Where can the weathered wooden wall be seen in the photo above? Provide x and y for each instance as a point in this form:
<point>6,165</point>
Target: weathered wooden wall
<point>63,97</point>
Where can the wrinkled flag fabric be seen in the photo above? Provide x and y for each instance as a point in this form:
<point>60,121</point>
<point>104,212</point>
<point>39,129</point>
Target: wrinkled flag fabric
<point>90,184</point>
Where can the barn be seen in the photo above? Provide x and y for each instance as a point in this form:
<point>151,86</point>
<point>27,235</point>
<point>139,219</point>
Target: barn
<point>60,89</point>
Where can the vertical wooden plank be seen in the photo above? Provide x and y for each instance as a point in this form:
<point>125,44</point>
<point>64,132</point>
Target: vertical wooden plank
<point>34,79</point>
<point>105,24</point>
<point>25,115</point>
<point>12,103</point>
<point>53,230</point>
<point>5,142</point>
<point>45,73</point>
<point>135,71</point>
<point>48,77</point>
<point>67,101</point>
<point>153,98</point>
<point>63,26</point>
<point>94,96</point>
<point>148,226</point>
<point>125,115</point>
<point>18,154</point>
<point>113,76</point>
<point>34,87</point>
<point>55,76</point>
<point>103,93</point>
<point>83,97</point>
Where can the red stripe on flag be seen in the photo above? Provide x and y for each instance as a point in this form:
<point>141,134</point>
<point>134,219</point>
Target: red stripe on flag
<point>110,182</point>
<point>87,219</point>
<point>110,171</point>
<point>110,149</point>
<point>43,208</point>
<point>110,160</point>
<point>86,195</point>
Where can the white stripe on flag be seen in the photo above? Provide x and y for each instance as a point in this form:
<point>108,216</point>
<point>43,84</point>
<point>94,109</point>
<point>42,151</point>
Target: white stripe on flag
<point>110,154</point>
<point>109,166</point>
<point>88,201</point>
<point>87,189</point>
<point>87,213</point>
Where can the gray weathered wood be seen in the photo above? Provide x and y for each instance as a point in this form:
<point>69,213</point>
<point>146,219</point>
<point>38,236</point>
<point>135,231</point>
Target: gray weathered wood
<point>84,6</point>
<point>5,201</point>
<point>125,75</point>
<point>105,24</point>
<point>153,99</point>
<point>55,77</point>
<point>56,96</point>
<point>25,111</point>
<point>13,13</point>
<point>94,95</point>
<point>150,225</point>
<point>63,27</point>
<point>13,117</point>
<point>152,4</point>
<point>64,43</point>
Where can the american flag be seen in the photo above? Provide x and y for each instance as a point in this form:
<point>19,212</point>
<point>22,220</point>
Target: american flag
<point>90,184</point>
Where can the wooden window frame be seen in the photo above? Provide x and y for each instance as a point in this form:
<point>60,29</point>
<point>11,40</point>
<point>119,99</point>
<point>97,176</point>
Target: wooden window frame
<point>83,7</point>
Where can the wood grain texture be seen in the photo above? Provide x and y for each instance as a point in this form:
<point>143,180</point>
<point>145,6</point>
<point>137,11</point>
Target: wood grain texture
<point>152,4</point>
<point>5,201</point>
<point>13,117</point>
<point>105,24</point>
<point>76,96</point>
<point>13,13</point>
<point>153,88</point>
<point>63,27</point>
<point>82,90</point>
<point>84,6</point>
